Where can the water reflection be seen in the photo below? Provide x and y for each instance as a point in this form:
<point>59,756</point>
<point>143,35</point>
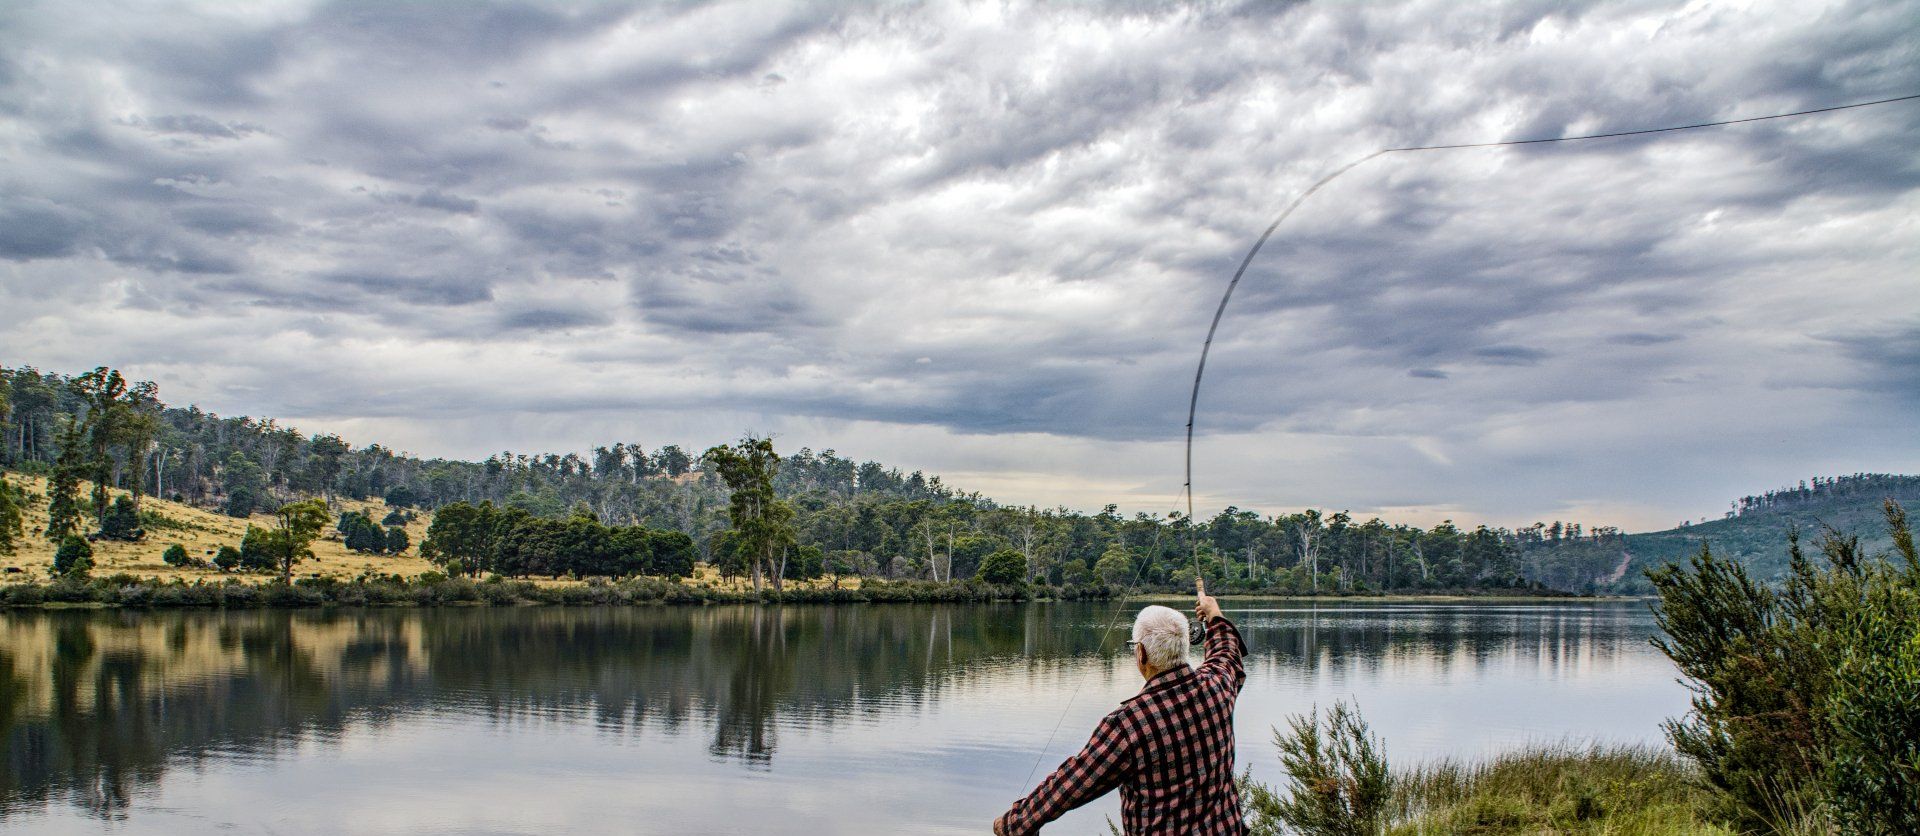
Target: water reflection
<point>96,707</point>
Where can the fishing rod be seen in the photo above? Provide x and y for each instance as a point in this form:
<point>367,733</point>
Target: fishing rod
<point>1193,401</point>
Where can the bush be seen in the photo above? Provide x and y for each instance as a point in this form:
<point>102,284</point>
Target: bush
<point>1338,779</point>
<point>176,555</point>
<point>23,595</point>
<point>227,559</point>
<point>74,558</point>
<point>1804,697</point>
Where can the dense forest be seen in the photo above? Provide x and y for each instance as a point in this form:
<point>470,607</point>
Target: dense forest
<point>753,513</point>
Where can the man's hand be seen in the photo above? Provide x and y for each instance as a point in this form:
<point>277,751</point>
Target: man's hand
<point>1206,608</point>
<point>1000,825</point>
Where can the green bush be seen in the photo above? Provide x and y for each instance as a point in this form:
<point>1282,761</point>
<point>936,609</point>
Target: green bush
<point>1338,780</point>
<point>1804,697</point>
<point>74,558</point>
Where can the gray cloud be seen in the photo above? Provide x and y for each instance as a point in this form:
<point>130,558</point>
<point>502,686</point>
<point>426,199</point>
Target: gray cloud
<point>938,222</point>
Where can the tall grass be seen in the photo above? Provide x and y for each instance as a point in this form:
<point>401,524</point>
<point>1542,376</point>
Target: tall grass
<point>1339,784</point>
<point>1563,788</point>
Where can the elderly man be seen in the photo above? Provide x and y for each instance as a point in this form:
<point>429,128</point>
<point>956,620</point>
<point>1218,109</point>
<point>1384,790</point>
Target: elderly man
<point>1169,748</point>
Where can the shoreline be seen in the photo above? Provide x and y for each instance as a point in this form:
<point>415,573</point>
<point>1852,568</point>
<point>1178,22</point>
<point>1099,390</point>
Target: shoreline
<point>131,592</point>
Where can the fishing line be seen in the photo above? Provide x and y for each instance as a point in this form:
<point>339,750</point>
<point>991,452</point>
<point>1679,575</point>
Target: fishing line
<point>1113,620</point>
<point>1193,402</point>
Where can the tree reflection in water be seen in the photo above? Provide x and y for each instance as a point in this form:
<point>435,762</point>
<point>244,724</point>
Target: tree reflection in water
<point>95,705</point>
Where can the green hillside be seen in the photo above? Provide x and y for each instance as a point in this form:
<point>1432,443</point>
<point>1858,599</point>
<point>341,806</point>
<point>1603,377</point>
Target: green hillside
<point>1757,532</point>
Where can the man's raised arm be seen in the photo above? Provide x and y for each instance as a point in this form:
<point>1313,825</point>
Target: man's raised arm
<point>1224,645</point>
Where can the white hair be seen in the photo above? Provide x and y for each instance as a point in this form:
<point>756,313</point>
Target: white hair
<point>1163,632</point>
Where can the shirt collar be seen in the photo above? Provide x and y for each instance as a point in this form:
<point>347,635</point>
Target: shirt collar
<point>1168,678</point>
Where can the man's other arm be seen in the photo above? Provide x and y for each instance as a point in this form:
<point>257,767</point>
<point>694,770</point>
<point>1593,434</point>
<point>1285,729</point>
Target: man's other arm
<point>1092,773</point>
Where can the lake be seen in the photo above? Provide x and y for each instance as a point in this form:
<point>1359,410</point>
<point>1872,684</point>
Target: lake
<point>852,719</point>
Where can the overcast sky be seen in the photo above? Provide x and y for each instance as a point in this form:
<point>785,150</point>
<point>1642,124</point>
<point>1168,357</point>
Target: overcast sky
<point>985,239</point>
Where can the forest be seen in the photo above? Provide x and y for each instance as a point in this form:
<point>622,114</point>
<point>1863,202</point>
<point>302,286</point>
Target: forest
<point>743,508</point>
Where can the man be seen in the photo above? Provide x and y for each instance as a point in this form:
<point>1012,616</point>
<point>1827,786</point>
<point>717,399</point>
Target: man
<point>1169,748</point>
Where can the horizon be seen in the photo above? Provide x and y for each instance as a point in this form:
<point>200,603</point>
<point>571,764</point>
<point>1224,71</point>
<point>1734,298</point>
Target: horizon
<point>984,243</point>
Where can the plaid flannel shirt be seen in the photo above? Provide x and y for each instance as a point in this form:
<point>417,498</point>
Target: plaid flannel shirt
<point>1169,749</point>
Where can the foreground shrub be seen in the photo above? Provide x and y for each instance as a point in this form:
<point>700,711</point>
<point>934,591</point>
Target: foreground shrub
<point>1805,698</point>
<point>1338,784</point>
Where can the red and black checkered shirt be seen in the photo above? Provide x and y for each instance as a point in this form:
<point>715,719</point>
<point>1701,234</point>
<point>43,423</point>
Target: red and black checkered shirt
<point>1169,749</point>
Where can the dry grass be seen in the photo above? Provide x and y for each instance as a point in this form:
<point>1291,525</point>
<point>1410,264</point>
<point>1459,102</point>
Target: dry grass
<point>203,532</point>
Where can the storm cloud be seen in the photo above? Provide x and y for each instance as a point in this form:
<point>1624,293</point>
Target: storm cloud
<point>986,239</point>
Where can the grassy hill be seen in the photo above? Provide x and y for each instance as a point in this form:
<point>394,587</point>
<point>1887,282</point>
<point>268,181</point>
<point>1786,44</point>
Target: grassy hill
<point>202,532</point>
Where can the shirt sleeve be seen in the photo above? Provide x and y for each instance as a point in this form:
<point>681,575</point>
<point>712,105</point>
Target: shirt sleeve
<point>1092,773</point>
<point>1224,652</point>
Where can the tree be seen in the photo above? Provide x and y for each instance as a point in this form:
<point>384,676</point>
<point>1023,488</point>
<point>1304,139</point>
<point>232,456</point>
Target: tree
<point>63,492</point>
<point>245,484</point>
<point>1004,567</point>
<point>1339,783</point>
<point>327,451</point>
<point>462,538</point>
<point>672,460</point>
<point>260,549</point>
<point>299,523</point>
<point>359,533</point>
<point>397,541</point>
<point>762,523</point>
<point>401,496</point>
<point>1115,566</point>
<point>103,390</point>
<point>13,506</point>
<point>74,558</point>
<point>227,558</point>
<point>122,521</point>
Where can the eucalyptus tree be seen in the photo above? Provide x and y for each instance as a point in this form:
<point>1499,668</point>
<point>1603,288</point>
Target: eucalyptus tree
<point>763,524</point>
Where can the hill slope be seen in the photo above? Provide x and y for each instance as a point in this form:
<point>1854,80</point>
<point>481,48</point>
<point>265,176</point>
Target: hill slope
<point>202,532</point>
<point>1757,535</point>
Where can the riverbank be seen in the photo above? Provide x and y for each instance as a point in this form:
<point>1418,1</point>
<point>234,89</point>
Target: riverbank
<point>435,590</point>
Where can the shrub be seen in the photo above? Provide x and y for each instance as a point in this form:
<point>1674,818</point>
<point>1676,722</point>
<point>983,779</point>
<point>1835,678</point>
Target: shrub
<point>227,559</point>
<point>23,595</point>
<point>176,555</point>
<point>1338,779</point>
<point>1804,697</point>
<point>74,558</point>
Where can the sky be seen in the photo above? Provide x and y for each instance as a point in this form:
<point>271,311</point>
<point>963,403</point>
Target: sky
<point>985,240</point>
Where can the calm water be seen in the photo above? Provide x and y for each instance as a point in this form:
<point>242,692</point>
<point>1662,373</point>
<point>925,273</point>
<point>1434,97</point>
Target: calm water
<point>680,720</point>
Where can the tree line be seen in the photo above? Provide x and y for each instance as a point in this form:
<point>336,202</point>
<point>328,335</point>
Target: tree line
<point>471,540</point>
<point>747,509</point>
